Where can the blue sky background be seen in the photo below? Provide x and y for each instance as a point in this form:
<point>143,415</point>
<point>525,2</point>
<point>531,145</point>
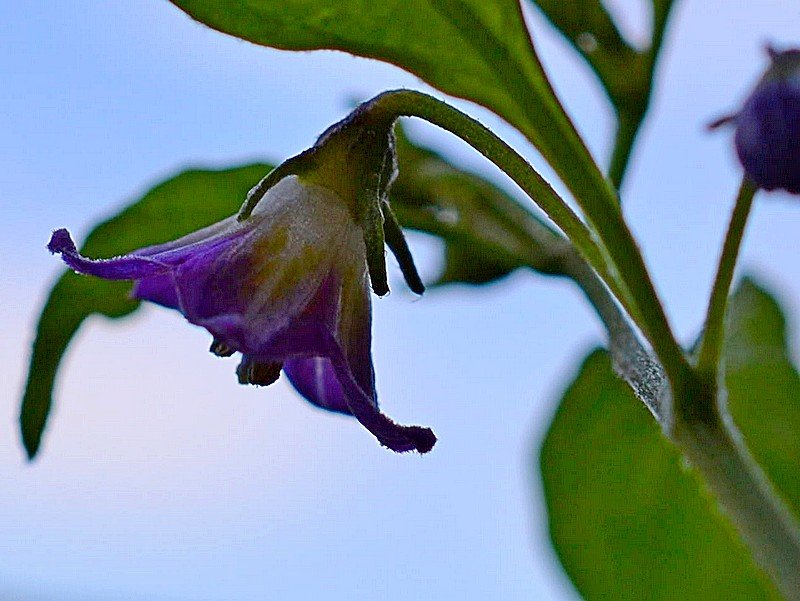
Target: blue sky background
<point>162,479</point>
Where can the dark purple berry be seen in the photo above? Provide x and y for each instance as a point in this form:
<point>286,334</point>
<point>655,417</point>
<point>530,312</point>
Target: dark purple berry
<point>768,126</point>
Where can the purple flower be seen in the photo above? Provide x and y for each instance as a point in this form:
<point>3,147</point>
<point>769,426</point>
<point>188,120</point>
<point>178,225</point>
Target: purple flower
<point>288,288</point>
<point>768,126</point>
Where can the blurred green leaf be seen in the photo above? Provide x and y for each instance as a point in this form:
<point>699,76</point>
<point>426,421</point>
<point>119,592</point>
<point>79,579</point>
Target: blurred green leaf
<point>588,26</point>
<point>627,519</point>
<point>479,50</point>
<point>182,204</point>
<point>487,234</point>
<point>461,266</point>
<point>625,72</point>
<point>764,387</point>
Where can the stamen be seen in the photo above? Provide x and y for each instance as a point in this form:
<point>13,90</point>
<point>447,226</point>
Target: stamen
<point>220,349</point>
<point>258,373</point>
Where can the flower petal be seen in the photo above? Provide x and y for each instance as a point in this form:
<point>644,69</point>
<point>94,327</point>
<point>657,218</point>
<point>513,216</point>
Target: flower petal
<point>159,289</point>
<point>287,287</point>
<point>153,269</point>
<point>390,434</point>
<point>341,378</point>
<point>315,379</point>
<point>128,267</point>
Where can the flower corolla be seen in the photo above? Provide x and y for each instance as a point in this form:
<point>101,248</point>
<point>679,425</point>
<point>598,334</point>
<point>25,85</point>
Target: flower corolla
<point>286,284</point>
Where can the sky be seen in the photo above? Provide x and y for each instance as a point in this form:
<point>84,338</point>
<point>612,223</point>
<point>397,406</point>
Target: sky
<point>162,479</point>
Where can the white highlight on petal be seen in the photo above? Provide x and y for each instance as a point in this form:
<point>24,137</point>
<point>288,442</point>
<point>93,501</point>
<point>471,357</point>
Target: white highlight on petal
<point>319,380</point>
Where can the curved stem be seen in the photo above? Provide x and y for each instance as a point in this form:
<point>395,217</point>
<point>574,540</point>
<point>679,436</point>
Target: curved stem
<point>616,258</point>
<point>714,334</point>
<point>408,103</point>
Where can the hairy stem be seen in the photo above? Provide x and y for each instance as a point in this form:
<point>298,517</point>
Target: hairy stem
<point>707,435</point>
<point>714,446</point>
<point>408,103</point>
<point>632,361</point>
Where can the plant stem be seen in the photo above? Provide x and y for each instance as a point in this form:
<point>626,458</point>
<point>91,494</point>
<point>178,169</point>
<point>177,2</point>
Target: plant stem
<point>705,431</point>
<point>627,128</point>
<point>714,334</point>
<point>630,117</point>
<point>616,258</point>
<point>702,427</point>
<point>408,103</point>
<point>632,361</point>
<point>716,449</point>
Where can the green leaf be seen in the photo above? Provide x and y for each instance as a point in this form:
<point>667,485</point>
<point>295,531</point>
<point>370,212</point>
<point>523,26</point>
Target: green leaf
<point>487,233</point>
<point>479,50</point>
<point>588,26</point>
<point>764,387</point>
<point>461,266</point>
<point>182,204</point>
<point>627,519</point>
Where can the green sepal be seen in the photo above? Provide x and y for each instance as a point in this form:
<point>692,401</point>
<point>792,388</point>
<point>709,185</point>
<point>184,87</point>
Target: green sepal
<point>486,233</point>
<point>396,241</point>
<point>356,159</point>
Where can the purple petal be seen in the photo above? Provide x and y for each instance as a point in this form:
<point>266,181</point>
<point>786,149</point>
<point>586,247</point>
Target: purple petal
<point>341,378</point>
<point>128,267</point>
<point>390,434</point>
<point>354,331</point>
<point>214,231</point>
<point>329,381</point>
<point>207,281</point>
<point>194,261</point>
<point>159,289</point>
<point>288,287</point>
<point>314,378</point>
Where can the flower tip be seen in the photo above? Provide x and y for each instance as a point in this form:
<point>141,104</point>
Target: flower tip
<point>380,287</point>
<point>722,121</point>
<point>409,438</point>
<point>61,242</point>
<point>416,286</point>
<point>423,439</point>
<point>771,50</point>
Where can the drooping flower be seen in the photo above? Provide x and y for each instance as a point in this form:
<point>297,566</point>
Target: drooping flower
<point>768,125</point>
<point>286,284</point>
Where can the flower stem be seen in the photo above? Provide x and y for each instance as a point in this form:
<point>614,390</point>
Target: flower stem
<point>714,446</point>
<point>707,435</point>
<point>408,103</point>
<point>612,253</point>
<point>714,334</point>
